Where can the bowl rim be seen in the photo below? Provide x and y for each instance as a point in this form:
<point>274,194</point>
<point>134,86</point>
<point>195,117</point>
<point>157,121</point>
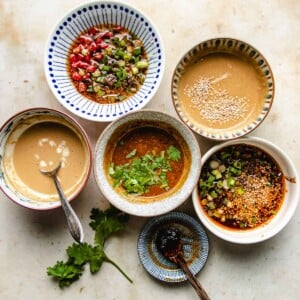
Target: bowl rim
<point>225,136</point>
<point>86,140</point>
<point>157,207</point>
<point>127,105</point>
<point>264,232</point>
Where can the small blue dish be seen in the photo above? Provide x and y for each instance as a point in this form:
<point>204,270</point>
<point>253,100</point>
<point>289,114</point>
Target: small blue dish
<point>195,247</point>
<point>80,19</point>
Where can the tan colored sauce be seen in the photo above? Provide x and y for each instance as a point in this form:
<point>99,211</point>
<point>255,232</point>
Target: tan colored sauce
<point>42,146</point>
<point>222,91</point>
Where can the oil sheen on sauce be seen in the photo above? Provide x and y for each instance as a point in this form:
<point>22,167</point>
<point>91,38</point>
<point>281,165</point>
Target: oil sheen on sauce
<point>222,91</point>
<point>43,146</point>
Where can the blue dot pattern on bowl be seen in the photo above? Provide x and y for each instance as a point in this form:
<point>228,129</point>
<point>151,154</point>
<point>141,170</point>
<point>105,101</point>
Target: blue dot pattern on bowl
<point>79,20</point>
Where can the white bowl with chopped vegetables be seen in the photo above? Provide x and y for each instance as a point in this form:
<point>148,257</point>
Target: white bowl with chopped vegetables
<point>248,190</point>
<point>104,59</point>
<point>147,163</point>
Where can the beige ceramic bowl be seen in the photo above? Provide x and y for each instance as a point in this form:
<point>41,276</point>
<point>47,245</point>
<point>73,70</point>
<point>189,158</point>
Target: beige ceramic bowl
<point>222,88</point>
<point>20,177</point>
<point>283,215</point>
<point>139,205</point>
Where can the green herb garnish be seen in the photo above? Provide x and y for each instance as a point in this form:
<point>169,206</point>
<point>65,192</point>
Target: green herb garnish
<point>104,223</point>
<point>142,172</point>
<point>174,153</point>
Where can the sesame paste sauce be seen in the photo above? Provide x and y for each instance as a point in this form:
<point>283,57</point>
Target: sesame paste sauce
<point>42,146</point>
<point>222,91</point>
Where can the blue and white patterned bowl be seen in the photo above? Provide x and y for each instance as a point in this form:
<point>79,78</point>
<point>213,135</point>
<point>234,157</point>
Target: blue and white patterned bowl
<point>82,18</point>
<point>195,247</point>
<point>20,122</point>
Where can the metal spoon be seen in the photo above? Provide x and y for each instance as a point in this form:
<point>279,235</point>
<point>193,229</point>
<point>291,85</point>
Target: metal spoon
<point>169,243</point>
<point>74,224</point>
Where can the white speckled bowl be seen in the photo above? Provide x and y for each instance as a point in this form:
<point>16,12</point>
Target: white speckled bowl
<point>82,18</point>
<point>11,130</point>
<point>276,223</point>
<point>166,201</point>
<point>246,53</point>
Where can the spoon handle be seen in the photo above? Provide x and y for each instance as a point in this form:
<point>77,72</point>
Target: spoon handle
<point>192,279</point>
<point>72,219</point>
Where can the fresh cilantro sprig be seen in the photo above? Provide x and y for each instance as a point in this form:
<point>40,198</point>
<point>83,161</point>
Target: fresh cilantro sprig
<point>105,224</point>
<point>142,172</point>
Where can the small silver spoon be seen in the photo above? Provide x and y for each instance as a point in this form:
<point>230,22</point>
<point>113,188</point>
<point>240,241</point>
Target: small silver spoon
<point>74,224</point>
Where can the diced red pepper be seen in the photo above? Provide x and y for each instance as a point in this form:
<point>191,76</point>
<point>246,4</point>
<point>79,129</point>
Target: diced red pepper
<point>93,47</point>
<point>99,40</point>
<point>91,68</point>
<point>86,76</point>
<point>80,56</point>
<point>118,28</point>
<point>87,58</point>
<point>94,30</point>
<point>82,87</point>
<point>98,56</point>
<point>108,34</point>
<point>85,39</point>
<point>73,58</point>
<point>103,45</point>
<point>80,64</point>
<point>76,76</point>
<point>77,49</point>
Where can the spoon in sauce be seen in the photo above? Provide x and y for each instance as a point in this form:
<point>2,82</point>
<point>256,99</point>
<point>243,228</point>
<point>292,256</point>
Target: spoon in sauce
<point>169,243</point>
<point>74,224</point>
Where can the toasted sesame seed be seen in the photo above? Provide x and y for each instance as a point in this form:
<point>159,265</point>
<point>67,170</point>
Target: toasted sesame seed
<point>214,104</point>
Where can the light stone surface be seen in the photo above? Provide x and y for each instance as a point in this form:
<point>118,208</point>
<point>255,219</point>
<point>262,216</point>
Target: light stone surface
<point>30,241</point>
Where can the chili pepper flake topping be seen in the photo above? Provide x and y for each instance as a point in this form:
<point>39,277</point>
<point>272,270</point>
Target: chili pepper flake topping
<point>241,187</point>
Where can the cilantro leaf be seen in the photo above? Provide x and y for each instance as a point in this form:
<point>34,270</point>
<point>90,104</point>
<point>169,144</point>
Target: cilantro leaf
<point>131,154</point>
<point>104,223</point>
<point>65,272</point>
<point>107,223</point>
<point>174,153</point>
<point>142,172</point>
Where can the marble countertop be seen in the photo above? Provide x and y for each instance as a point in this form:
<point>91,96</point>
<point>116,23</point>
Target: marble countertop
<point>31,241</point>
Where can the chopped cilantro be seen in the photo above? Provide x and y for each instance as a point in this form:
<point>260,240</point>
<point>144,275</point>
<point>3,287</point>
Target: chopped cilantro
<point>174,153</point>
<point>142,172</point>
<point>131,154</point>
<point>104,223</point>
